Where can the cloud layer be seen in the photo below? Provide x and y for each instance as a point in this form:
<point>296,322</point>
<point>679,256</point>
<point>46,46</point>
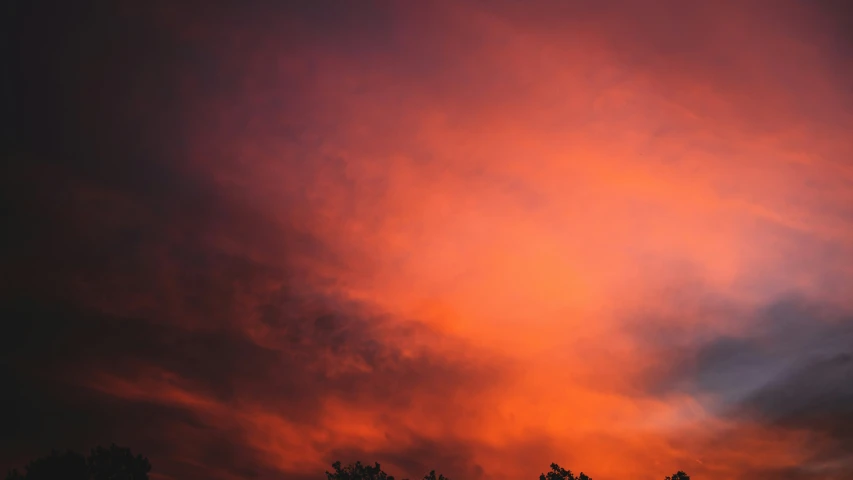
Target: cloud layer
<point>252,239</point>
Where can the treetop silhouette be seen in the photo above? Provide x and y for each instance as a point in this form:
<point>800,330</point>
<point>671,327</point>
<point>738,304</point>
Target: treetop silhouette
<point>559,473</point>
<point>114,463</point>
<point>118,463</point>
<point>357,471</point>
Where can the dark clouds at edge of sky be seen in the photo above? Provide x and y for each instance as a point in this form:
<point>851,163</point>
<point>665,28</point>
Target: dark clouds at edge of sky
<point>106,219</point>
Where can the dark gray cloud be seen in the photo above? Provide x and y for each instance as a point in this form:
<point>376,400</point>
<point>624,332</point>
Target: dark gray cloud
<point>775,340</point>
<point>816,396</point>
<point>790,368</point>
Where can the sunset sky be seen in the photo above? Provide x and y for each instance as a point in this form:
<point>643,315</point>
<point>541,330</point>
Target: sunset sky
<point>252,238</point>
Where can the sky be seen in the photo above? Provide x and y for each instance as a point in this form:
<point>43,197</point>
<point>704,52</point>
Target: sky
<point>248,239</point>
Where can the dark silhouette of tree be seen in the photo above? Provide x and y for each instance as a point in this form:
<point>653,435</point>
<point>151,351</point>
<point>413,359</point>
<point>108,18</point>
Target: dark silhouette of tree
<point>117,463</point>
<point>114,463</point>
<point>357,471</point>
<point>56,466</point>
<point>558,473</point>
<point>431,476</point>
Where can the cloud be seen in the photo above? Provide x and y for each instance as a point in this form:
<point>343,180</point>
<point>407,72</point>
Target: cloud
<point>815,398</point>
<point>184,380</point>
<point>786,369</point>
<point>153,305</point>
<point>251,239</point>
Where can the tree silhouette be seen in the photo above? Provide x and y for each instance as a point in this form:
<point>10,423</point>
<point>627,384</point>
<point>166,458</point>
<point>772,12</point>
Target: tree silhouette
<point>431,476</point>
<point>117,463</point>
<point>56,466</point>
<point>114,463</point>
<point>558,473</point>
<point>357,471</point>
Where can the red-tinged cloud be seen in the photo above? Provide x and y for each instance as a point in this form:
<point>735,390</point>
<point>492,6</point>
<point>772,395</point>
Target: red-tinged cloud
<point>249,240</point>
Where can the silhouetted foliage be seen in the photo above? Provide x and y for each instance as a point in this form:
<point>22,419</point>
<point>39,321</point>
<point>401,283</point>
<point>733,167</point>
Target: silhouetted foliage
<point>558,473</point>
<point>114,463</point>
<point>357,471</point>
<point>56,466</point>
<point>431,476</point>
<point>117,463</point>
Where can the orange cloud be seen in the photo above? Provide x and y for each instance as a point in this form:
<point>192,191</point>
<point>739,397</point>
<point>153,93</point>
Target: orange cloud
<point>472,237</point>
